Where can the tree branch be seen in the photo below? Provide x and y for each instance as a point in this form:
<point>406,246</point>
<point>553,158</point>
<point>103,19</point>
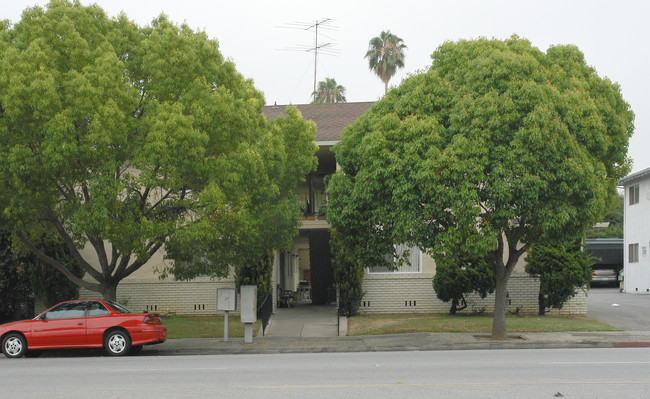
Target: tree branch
<point>73,249</point>
<point>120,268</point>
<point>57,265</point>
<point>98,244</point>
<point>163,198</point>
<point>137,264</point>
<point>114,256</point>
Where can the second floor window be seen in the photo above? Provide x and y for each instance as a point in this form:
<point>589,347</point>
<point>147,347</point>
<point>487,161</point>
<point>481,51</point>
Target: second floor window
<point>633,255</point>
<point>634,194</point>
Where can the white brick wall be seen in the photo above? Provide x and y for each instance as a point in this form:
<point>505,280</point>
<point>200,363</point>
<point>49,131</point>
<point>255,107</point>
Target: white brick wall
<point>197,297</point>
<point>413,293</point>
<point>385,293</point>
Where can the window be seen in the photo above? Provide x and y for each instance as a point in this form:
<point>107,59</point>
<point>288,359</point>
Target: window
<point>410,264</point>
<point>70,310</point>
<point>633,255</point>
<point>97,309</point>
<point>118,308</point>
<point>634,194</point>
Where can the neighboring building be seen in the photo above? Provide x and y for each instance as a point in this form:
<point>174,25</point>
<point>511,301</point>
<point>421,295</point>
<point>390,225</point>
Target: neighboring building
<point>636,232</point>
<point>306,268</point>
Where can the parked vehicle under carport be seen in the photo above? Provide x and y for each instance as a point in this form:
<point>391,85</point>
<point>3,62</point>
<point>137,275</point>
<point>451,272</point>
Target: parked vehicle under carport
<point>604,276</point>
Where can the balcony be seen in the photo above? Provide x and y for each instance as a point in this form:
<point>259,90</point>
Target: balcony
<point>312,197</point>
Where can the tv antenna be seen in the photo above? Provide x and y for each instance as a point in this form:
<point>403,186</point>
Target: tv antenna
<point>317,27</point>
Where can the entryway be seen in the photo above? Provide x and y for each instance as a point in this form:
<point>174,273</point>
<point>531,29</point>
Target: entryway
<point>305,273</point>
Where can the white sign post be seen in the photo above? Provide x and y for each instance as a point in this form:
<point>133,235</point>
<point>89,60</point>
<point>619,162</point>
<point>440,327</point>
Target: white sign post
<point>248,310</point>
<point>226,301</point>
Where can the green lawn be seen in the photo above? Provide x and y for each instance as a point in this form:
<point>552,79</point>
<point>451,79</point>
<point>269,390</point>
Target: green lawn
<point>402,323</point>
<point>212,327</point>
<point>204,327</point>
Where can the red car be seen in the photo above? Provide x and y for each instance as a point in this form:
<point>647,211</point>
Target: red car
<point>83,324</point>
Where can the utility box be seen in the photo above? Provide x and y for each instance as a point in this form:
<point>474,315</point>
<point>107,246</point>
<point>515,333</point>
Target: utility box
<point>226,299</point>
<point>248,303</point>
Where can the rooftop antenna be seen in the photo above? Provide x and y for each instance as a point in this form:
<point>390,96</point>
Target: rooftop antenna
<point>324,48</point>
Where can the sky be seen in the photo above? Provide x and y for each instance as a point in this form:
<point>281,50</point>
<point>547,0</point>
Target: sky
<point>255,34</point>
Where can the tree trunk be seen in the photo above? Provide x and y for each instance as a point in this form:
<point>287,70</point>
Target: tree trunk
<point>454,305</point>
<point>499,319</point>
<point>541,302</point>
<point>457,305</point>
<point>109,292</point>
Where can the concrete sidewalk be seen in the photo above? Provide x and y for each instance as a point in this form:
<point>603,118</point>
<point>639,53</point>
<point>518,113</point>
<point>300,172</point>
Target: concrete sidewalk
<point>306,321</point>
<point>400,342</point>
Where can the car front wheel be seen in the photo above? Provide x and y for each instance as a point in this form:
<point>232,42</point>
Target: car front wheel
<point>14,345</point>
<point>117,343</point>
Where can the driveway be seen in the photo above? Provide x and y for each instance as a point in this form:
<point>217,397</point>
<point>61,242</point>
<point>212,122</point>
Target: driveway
<point>630,312</point>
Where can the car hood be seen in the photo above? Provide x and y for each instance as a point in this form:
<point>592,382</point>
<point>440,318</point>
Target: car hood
<point>14,324</point>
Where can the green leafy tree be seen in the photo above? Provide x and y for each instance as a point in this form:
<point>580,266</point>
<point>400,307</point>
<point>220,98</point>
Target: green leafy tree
<point>348,275</point>
<point>24,277</point>
<point>496,145</point>
<point>456,277</point>
<point>48,283</point>
<point>562,269</point>
<point>385,54</point>
<point>615,219</point>
<point>329,92</point>
<point>15,290</point>
<point>124,139</point>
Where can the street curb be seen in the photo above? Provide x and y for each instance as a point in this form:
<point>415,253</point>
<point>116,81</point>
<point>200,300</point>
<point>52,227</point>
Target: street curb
<point>630,344</point>
<point>452,347</point>
<point>406,342</point>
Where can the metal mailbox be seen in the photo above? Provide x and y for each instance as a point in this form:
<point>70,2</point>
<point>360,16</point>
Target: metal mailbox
<point>226,299</point>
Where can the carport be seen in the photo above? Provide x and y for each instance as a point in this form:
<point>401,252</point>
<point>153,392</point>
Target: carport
<point>607,252</point>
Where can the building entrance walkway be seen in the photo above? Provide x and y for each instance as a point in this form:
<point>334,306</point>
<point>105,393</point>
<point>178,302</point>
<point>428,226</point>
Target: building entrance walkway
<point>304,320</point>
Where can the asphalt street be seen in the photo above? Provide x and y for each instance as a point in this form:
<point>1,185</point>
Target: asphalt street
<point>530,374</point>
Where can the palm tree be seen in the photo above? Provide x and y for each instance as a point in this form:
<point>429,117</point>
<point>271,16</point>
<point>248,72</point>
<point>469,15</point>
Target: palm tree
<point>385,54</point>
<point>328,92</point>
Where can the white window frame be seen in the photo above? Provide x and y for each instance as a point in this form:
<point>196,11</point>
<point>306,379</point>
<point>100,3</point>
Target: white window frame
<point>633,193</point>
<point>633,253</point>
<point>384,270</point>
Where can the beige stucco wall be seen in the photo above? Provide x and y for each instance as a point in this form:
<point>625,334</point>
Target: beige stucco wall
<point>149,270</point>
<point>429,264</point>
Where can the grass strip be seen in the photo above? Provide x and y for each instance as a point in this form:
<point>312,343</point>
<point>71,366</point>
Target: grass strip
<point>403,323</point>
<point>204,327</point>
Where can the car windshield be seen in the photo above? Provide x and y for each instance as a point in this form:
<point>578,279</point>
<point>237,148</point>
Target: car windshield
<point>118,308</point>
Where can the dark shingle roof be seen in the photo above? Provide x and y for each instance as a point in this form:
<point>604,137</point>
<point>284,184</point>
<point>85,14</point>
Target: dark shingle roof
<point>330,119</point>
